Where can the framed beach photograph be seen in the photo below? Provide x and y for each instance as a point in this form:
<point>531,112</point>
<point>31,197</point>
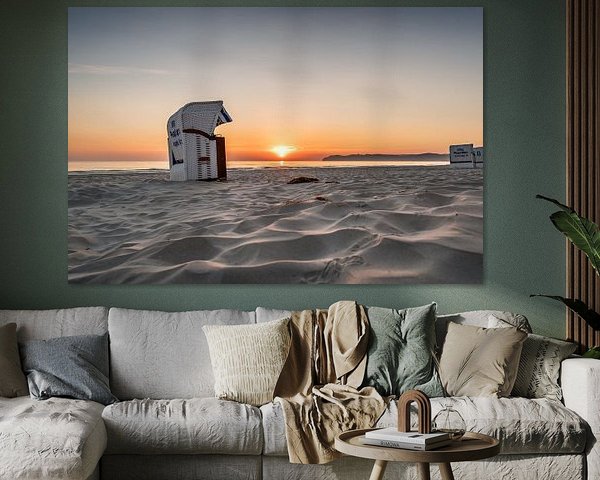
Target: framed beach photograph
<point>275,145</point>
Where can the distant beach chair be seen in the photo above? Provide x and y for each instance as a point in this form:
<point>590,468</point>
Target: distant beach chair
<point>195,152</point>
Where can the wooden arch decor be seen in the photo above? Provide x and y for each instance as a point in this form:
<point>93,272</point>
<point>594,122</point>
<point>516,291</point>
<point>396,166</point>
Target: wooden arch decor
<point>423,410</point>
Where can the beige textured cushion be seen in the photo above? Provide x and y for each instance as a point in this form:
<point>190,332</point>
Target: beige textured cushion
<point>12,378</point>
<point>247,359</point>
<point>480,362</point>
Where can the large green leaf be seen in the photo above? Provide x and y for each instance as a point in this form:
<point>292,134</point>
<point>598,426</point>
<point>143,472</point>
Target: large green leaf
<point>555,202</point>
<point>593,352</point>
<point>591,317</point>
<point>582,232</point>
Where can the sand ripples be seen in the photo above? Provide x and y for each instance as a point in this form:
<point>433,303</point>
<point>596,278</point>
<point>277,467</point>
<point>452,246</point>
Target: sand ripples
<point>357,225</point>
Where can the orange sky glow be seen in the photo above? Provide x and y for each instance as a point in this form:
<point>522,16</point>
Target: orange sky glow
<point>289,85</point>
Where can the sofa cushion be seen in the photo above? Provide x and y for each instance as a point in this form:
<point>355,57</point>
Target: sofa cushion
<point>523,426</point>
<point>539,365</point>
<point>45,324</point>
<point>74,367</point>
<point>57,438</point>
<point>164,355</point>
<point>12,379</point>
<point>480,362</point>
<point>193,426</point>
<point>477,318</point>
<point>401,348</point>
<point>247,360</point>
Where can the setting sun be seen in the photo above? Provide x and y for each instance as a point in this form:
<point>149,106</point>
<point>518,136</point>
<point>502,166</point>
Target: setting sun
<point>282,150</point>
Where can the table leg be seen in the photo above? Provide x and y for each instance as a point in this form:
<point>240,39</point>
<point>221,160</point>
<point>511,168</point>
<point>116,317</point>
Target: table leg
<point>378,470</point>
<point>423,469</point>
<point>446,471</point>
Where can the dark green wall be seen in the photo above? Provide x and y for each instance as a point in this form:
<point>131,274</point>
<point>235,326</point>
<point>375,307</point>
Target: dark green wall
<point>525,148</point>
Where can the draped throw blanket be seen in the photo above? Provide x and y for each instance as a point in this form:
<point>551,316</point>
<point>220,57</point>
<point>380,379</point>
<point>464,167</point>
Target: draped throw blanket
<point>318,386</point>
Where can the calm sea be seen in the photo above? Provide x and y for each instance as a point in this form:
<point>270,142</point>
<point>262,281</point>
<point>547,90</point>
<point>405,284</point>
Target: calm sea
<point>143,165</point>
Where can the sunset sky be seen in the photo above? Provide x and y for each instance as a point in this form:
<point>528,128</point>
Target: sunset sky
<point>319,80</point>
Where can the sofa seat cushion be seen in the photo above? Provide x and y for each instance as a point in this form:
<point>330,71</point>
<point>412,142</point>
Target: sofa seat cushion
<point>190,426</point>
<point>523,426</point>
<point>57,438</point>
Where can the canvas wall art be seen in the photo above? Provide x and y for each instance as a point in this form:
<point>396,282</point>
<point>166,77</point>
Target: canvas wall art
<point>275,145</point>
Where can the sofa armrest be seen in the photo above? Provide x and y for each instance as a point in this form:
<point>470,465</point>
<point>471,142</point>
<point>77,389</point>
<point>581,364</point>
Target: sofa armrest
<point>580,381</point>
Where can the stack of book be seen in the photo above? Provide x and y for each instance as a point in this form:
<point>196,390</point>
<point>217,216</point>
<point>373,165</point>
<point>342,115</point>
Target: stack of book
<point>391,437</point>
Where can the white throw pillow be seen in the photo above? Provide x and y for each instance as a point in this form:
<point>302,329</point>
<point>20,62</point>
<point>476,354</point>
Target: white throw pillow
<point>539,365</point>
<point>247,359</point>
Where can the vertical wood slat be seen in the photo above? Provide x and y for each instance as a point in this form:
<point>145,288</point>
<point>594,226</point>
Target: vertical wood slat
<point>583,161</point>
<point>596,126</point>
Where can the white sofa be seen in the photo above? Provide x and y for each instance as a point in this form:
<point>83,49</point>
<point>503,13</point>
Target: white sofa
<point>167,425</point>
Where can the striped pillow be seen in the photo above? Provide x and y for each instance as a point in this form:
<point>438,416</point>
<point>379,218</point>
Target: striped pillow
<point>539,365</point>
<point>247,359</point>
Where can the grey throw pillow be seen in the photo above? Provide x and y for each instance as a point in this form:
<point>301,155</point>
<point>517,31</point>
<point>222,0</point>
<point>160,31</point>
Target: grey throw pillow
<point>74,367</point>
<point>401,346</point>
<point>12,380</point>
<point>539,365</point>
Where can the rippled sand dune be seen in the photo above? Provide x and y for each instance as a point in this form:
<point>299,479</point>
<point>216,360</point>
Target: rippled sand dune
<point>356,225</point>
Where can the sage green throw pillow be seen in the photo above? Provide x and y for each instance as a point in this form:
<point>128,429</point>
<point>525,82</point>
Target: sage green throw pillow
<point>401,346</point>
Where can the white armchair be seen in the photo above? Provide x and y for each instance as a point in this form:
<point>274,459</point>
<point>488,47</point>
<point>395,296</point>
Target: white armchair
<point>580,380</point>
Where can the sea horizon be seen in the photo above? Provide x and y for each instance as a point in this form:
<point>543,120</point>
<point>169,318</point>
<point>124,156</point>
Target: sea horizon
<point>115,165</point>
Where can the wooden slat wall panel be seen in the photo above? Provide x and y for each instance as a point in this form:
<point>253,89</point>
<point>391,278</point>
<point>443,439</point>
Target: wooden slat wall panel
<point>583,161</point>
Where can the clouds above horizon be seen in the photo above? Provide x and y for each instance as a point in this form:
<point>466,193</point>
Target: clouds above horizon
<point>87,69</point>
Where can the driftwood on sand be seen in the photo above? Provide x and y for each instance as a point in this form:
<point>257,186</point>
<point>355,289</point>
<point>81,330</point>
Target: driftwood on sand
<point>303,180</point>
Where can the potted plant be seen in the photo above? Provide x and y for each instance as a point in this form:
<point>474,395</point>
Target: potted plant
<point>585,235</point>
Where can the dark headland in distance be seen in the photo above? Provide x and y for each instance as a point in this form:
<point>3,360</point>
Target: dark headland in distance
<point>380,157</point>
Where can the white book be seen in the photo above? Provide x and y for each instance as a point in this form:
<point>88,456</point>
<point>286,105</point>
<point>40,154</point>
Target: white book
<point>394,435</point>
<point>405,445</point>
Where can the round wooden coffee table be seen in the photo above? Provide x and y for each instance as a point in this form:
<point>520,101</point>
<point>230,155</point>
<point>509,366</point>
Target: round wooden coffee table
<point>472,446</point>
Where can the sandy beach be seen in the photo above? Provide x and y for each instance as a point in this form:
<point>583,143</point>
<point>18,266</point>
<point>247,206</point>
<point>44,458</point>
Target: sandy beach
<point>359,225</point>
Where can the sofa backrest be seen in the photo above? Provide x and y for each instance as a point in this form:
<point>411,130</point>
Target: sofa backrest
<point>45,324</point>
<point>477,318</point>
<point>270,314</point>
<point>164,355</point>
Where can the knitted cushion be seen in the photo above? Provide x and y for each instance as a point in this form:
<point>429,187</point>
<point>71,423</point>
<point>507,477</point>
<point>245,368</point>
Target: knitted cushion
<point>247,359</point>
<point>539,366</point>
